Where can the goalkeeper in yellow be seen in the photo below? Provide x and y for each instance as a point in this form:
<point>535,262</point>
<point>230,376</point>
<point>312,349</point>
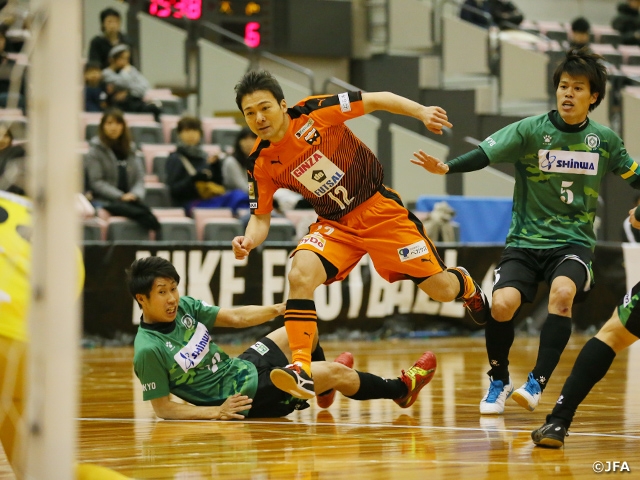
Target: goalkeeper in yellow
<point>15,254</point>
<point>15,292</point>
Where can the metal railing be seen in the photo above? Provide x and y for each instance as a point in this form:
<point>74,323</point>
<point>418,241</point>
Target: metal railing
<point>339,83</point>
<point>258,53</point>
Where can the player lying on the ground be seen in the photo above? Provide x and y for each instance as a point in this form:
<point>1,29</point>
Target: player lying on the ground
<point>174,353</point>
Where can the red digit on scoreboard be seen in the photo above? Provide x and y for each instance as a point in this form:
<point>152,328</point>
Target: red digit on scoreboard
<point>192,9</point>
<point>252,34</point>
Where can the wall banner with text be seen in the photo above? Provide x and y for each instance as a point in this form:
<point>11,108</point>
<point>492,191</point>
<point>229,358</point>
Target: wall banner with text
<point>364,301</point>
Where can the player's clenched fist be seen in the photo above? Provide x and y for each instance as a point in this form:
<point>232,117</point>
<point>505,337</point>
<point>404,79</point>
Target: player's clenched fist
<point>241,247</point>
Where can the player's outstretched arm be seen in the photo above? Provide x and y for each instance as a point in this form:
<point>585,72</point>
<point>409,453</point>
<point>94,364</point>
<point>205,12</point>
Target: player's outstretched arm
<point>256,232</point>
<point>430,163</point>
<point>248,316</point>
<point>434,118</point>
<point>168,410</point>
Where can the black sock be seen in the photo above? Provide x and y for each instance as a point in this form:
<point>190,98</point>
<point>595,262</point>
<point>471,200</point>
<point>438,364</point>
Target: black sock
<point>499,338</point>
<point>318,354</point>
<point>592,364</point>
<point>553,338</point>
<point>373,386</point>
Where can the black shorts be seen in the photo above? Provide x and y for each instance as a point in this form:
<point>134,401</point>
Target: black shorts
<point>629,310</point>
<point>269,401</point>
<point>524,268</point>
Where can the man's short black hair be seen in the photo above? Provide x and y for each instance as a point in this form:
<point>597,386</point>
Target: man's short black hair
<point>92,66</point>
<point>189,123</point>
<point>143,272</point>
<point>108,12</point>
<point>583,61</point>
<point>581,25</point>
<point>254,81</point>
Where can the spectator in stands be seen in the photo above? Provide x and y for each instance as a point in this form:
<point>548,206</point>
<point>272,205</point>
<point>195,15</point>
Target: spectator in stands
<point>121,73</point>
<point>126,86</point>
<point>116,172</point>
<point>234,167</point>
<point>472,11</point>
<point>111,36</point>
<point>629,233</point>
<point>627,22</point>
<point>505,14</point>
<point>7,66</point>
<point>11,163</point>
<point>95,95</point>
<point>580,33</point>
<point>194,178</point>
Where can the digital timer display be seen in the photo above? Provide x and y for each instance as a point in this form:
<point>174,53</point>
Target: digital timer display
<point>191,9</point>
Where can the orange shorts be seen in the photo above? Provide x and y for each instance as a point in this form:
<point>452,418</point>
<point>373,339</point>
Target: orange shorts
<point>392,236</point>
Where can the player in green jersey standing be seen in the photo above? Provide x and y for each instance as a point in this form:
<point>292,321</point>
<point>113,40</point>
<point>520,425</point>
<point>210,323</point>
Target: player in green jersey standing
<point>560,159</point>
<point>174,353</point>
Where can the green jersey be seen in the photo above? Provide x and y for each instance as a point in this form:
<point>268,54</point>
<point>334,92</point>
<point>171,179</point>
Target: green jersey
<point>628,309</point>
<point>180,358</point>
<point>559,169</point>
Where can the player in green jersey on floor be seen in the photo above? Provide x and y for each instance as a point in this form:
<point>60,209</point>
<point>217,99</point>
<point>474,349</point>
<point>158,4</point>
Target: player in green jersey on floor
<point>174,353</point>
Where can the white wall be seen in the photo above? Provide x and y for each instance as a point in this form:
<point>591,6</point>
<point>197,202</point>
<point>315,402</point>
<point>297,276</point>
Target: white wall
<point>523,73</point>
<point>162,66</point>
<point>409,25</point>
<point>488,182</point>
<point>465,48</point>
<point>598,12</point>
<point>220,70</point>
<point>410,180</point>
<point>631,120</point>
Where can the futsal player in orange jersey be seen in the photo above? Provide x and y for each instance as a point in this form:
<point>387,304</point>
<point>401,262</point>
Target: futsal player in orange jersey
<point>309,149</point>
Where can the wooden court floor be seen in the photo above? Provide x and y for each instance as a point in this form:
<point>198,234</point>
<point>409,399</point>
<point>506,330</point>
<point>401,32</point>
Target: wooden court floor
<point>441,436</point>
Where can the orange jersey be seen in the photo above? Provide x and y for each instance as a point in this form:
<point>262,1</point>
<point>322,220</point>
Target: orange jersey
<point>319,157</point>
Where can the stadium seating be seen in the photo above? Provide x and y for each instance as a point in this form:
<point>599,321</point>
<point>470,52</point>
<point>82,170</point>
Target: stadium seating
<point>177,229</point>
<point>147,133</point>
<point>158,168</point>
<point>18,125</point>
<point>94,229</point>
<point>170,212</point>
<point>605,34</point>
<point>124,229</point>
<point>281,230</point>
<point>149,151</point>
<point>157,195</point>
<point>221,229</point>
<point>610,53</point>
<point>169,123</point>
<point>170,104</point>
<point>202,215</point>
<point>225,136</point>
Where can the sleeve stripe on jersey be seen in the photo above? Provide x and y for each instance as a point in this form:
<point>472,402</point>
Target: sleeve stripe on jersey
<point>631,172</point>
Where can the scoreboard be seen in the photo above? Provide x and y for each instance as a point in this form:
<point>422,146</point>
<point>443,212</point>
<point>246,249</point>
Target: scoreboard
<point>305,27</point>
